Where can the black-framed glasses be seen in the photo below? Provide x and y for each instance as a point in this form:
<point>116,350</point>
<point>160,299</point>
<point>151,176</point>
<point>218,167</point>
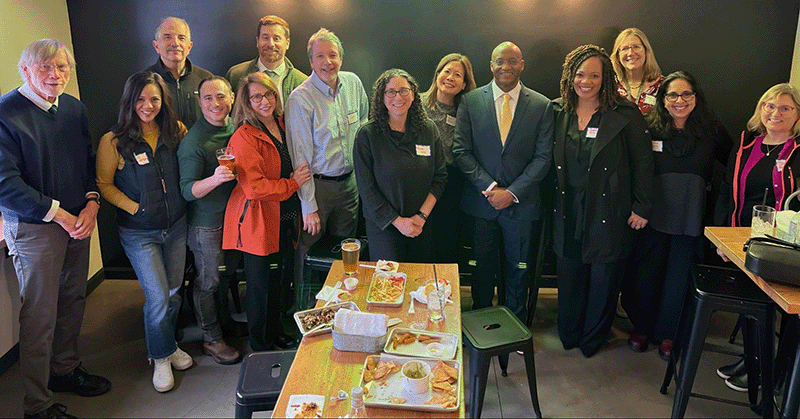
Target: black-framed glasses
<point>258,97</point>
<point>771,107</point>
<point>404,91</point>
<point>686,96</point>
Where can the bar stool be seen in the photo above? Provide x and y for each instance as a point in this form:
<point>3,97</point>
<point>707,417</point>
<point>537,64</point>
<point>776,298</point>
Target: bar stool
<point>260,381</point>
<point>495,331</point>
<point>731,290</point>
<point>320,258</point>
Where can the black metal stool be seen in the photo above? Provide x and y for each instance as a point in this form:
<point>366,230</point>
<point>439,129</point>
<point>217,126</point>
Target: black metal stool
<point>320,258</point>
<point>260,381</point>
<point>731,290</point>
<point>495,331</point>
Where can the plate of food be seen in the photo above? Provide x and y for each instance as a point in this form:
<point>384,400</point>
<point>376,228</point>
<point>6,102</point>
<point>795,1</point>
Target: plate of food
<point>305,406</point>
<point>388,266</point>
<point>308,320</point>
<point>418,343</point>
<point>386,384</point>
<point>387,289</point>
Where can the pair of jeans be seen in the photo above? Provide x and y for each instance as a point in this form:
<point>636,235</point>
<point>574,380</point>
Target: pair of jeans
<point>206,246</point>
<point>158,258</point>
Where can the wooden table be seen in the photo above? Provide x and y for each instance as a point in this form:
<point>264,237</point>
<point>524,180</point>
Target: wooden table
<point>318,368</point>
<point>730,240</point>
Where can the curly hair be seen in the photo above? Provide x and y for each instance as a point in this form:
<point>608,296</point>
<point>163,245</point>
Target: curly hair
<point>469,79</point>
<point>701,121</point>
<point>607,95</point>
<point>416,119</point>
<point>128,131</point>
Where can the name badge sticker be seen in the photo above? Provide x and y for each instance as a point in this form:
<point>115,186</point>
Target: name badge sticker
<point>352,117</point>
<point>658,146</point>
<point>779,164</point>
<point>423,150</point>
<point>450,120</point>
<point>591,132</point>
<point>650,100</point>
<point>141,159</point>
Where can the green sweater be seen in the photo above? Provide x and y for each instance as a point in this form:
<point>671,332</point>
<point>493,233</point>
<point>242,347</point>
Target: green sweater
<point>197,160</point>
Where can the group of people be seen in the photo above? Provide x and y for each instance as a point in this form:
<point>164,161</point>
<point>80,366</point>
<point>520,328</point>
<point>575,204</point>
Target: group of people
<point>622,160</point>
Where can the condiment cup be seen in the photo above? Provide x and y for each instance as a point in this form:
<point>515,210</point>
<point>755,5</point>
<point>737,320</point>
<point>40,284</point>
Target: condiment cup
<point>350,283</point>
<point>417,385</point>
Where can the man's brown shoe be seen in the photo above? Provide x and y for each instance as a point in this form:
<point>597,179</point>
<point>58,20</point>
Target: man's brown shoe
<point>221,352</point>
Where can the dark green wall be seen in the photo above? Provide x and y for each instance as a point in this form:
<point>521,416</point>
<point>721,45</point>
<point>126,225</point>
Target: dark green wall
<point>736,49</point>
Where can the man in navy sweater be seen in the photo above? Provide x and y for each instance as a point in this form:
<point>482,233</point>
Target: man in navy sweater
<point>49,200</point>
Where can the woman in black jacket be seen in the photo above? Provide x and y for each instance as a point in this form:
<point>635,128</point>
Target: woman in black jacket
<point>604,171</point>
<point>687,138</point>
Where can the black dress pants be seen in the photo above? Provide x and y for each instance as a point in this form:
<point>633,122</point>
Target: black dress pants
<point>587,300</point>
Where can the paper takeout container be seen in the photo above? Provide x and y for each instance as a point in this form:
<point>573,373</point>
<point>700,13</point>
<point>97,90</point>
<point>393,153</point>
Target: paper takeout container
<point>357,343</point>
<point>299,315</point>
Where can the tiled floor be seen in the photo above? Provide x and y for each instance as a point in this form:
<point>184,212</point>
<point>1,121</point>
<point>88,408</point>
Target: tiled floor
<point>614,383</point>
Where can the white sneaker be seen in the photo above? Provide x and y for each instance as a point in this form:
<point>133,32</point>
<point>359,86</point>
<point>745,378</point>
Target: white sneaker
<point>180,360</point>
<point>162,375</point>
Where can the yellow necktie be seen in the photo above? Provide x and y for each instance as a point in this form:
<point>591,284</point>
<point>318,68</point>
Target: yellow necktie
<point>505,117</point>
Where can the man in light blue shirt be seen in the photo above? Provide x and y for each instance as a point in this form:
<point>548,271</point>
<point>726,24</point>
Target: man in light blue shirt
<point>323,115</point>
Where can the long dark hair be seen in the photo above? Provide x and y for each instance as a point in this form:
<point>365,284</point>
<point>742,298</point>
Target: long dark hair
<point>415,121</point>
<point>607,95</point>
<point>701,121</point>
<point>128,131</point>
<point>469,79</point>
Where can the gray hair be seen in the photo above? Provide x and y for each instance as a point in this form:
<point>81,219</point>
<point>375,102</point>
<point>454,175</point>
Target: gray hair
<point>324,35</point>
<point>43,50</point>
<point>176,19</point>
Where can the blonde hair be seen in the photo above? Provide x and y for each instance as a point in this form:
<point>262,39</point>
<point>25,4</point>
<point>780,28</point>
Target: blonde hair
<point>774,92</point>
<point>242,109</point>
<point>651,69</point>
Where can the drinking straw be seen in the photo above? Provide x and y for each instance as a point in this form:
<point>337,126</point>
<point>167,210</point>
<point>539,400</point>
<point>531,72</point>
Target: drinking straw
<point>764,201</point>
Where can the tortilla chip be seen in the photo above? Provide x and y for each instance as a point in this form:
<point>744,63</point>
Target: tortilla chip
<point>370,363</point>
<point>397,400</point>
<point>369,375</point>
<point>444,386</point>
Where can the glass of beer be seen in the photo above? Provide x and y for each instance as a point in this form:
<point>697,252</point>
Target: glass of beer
<point>226,158</point>
<point>350,252</point>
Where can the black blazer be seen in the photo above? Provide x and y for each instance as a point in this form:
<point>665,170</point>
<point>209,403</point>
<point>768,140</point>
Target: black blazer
<point>620,182</point>
<point>519,165</point>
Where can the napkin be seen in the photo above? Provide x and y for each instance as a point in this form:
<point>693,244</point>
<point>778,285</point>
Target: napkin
<point>357,323</point>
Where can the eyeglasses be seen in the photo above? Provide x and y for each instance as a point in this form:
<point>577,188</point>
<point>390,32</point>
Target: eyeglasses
<point>634,48</point>
<point>47,68</point>
<point>501,61</point>
<point>771,107</point>
<point>404,91</point>
<point>686,96</point>
<point>258,97</point>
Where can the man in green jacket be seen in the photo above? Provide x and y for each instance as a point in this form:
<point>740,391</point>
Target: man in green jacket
<point>272,41</point>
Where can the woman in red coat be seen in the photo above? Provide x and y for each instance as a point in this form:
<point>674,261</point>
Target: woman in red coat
<point>261,217</point>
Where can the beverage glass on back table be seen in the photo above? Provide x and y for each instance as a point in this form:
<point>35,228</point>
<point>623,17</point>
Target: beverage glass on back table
<point>351,248</point>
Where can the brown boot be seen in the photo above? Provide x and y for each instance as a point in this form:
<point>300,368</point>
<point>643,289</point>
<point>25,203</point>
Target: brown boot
<point>221,352</point>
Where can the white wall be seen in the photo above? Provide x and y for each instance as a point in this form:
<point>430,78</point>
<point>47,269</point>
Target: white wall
<point>22,22</point>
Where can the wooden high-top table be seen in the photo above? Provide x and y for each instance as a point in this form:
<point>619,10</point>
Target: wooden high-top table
<point>318,368</point>
<point>730,240</point>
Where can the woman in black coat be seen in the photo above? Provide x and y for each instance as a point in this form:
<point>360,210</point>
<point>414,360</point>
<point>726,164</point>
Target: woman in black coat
<point>604,171</point>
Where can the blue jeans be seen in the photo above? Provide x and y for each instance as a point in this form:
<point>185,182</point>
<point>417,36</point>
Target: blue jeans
<point>206,245</point>
<point>158,258</point>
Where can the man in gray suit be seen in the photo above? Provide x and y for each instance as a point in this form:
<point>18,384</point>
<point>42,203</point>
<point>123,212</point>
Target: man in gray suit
<point>503,144</point>
<point>272,41</point>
